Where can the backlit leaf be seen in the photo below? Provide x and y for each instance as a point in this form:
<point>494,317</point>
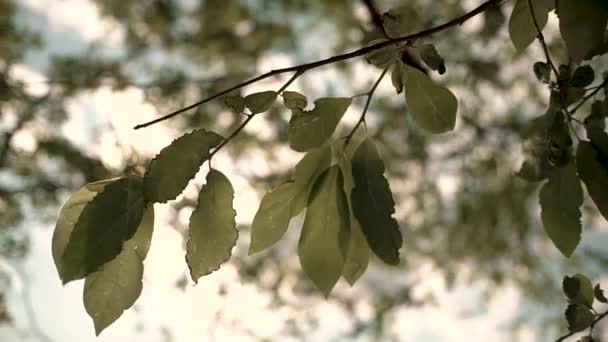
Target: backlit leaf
<point>582,24</point>
<point>172,169</point>
<point>324,239</point>
<point>310,129</point>
<point>293,100</point>
<point>117,284</point>
<point>212,230</point>
<point>260,102</point>
<point>560,199</point>
<point>383,57</point>
<point>106,222</point>
<point>594,174</point>
<point>432,106</point>
<point>373,204</point>
<point>521,26</point>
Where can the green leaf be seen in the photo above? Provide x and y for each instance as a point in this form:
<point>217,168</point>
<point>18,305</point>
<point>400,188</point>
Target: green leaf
<point>432,58</point>
<point>106,222</point>
<point>294,100</point>
<point>560,199</point>
<point>171,170</point>
<point>373,204</point>
<point>260,102</point>
<point>583,76</point>
<point>578,290</point>
<point>383,57</point>
<point>288,200</point>
<point>521,25</point>
<point>594,174</point>
<point>117,284</point>
<point>68,216</point>
<point>324,239</point>
<point>599,294</point>
<point>310,129</point>
<point>399,21</point>
<point>582,24</point>
<point>542,71</point>
<point>432,106</point>
<point>578,317</point>
<point>235,102</point>
<point>357,257</point>
<point>212,231</point>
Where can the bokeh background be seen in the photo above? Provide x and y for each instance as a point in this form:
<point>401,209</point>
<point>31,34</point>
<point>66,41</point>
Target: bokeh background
<point>77,75</point>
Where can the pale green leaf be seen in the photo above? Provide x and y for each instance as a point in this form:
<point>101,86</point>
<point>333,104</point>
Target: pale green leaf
<point>172,169</point>
<point>582,24</point>
<point>105,223</point>
<point>432,106</point>
<point>68,216</point>
<point>260,102</point>
<point>324,239</point>
<point>310,129</point>
<point>373,204</point>
<point>212,230</point>
<point>594,174</point>
<point>399,21</point>
<point>382,57</point>
<point>560,198</point>
<point>117,284</point>
<point>521,25</point>
<point>293,100</point>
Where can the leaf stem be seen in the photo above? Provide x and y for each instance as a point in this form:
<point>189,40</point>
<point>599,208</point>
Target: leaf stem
<point>541,39</point>
<point>300,69</point>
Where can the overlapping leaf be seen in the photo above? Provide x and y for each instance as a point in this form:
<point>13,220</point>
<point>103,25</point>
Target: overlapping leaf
<point>560,198</point>
<point>172,169</point>
<point>373,204</point>
<point>212,230</point>
<point>105,223</point>
<point>324,239</point>
<point>432,106</point>
<point>310,129</point>
<point>117,284</point>
<point>521,25</point>
<point>582,24</point>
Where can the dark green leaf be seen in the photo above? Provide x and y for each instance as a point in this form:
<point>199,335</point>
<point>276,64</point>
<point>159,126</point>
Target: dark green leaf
<point>582,24</point>
<point>118,283</point>
<point>432,58</point>
<point>521,25</point>
<point>212,230</point>
<point>578,290</point>
<point>594,174</point>
<point>542,72</point>
<point>324,239</point>
<point>583,76</point>
<point>432,106</point>
<point>571,287</point>
<point>310,129</point>
<point>106,222</point>
<point>373,204</point>
<point>599,294</point>
<point>260,102</point>
<point>579,317</point>
<point>560,199</point>
<point>172,169</point>
<point>235,102</point>
<point>294,100</point>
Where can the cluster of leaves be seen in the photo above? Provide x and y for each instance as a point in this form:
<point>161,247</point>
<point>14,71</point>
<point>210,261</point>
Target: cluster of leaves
<point>339,185</point>
<point>580,314</point>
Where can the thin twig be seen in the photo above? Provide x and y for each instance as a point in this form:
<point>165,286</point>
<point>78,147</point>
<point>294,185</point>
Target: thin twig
<point>369,94</point>
<point>541,39</point>
<point>586,98</point>
<point>308,66</point>
<point>595,321</point>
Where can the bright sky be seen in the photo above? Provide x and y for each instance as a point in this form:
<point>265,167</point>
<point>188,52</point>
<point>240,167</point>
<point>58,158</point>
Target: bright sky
<point>462,315</point>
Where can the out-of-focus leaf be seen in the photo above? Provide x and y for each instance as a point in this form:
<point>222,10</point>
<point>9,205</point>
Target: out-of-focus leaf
<point>594,174</point>
<point>599,294</point>
<point>171,170</point>
<point>521,25</point>
<point>582,24</point>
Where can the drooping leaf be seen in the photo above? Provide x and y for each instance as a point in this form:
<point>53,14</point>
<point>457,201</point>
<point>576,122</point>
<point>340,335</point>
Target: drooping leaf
<point>594,174</point>
<point>521,25</point>
<point>373,204</point>
<point>260,102</point>
<point>171,170</point>
<point>432,106</point>
<point>288,200</point>
<point>105,223</point>
<point>582,24</point>
<point>432,58</point>
<point>68,216</point>
<point>357,256</point>
<point>560,199</point>
<point>212,230</point>
<point>117,284</point>
<point>324,239</point>
<point>235,102</point>
<point>578,317</point>
<point>599,294</point>
<point>294,100</point>
<point>310,129</point>
<point>578,290</point>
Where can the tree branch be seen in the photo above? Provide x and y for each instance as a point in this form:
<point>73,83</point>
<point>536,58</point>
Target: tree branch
<point>541,39</point>
<point>302,68</point>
